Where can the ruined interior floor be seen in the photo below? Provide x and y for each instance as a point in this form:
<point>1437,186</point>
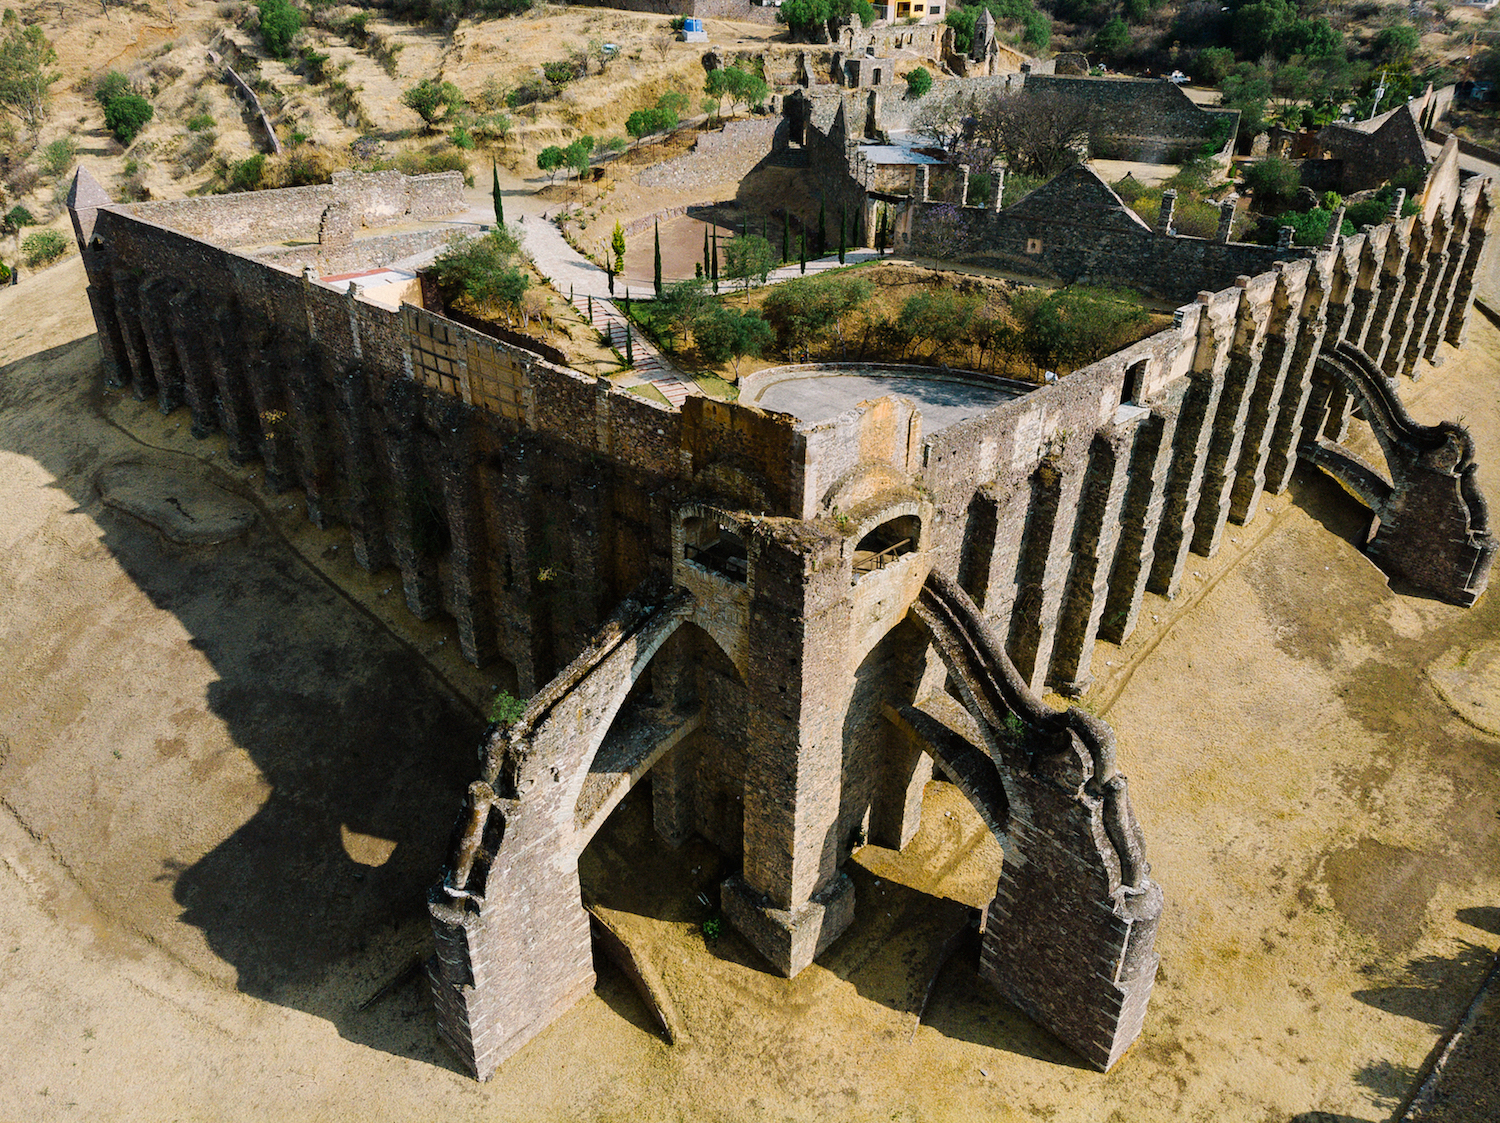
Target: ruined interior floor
<point>229,772</point>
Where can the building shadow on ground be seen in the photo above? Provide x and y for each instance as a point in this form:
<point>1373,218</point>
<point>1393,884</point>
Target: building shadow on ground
<point>317,899</point>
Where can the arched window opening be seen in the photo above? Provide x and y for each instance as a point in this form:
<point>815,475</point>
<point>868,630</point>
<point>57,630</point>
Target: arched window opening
<point>1135,380</point>
<point>715,546</point>
<point>886,544</point>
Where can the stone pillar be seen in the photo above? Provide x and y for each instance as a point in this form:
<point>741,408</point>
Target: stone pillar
<point>1335,230</point>
<point>187,319</point>
<point>1164,216</point>
<point>1281,458</point>
<point>963,182</point>
<point>791,901</point>
<point>1046,558</point>
<point>924,181</point>
<point>1398,200</point>
<point>1281,339</point>
<point>466,531</point>
<point>1226,218</point>
<point>1194,431</point>
<point>997,183</point>
<point>1097,531</point>
<point>1284,237</point>
<point>1140,515</point>
<point>1229,422</point>
<point>1463,293</point>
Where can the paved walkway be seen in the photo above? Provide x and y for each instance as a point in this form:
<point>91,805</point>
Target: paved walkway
<point>578,278</point>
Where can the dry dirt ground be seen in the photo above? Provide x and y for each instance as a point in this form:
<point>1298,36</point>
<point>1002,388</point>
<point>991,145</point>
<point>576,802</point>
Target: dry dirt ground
<point>228,771</point>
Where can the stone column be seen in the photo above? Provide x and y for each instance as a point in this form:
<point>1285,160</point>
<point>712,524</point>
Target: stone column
<point>1189,453</point>
<point>1164,216</point>
<point>1226,218</point>
<point>924,181</point>
<point>997,184</point>
<point>1281,340</point>
<point>1098,529</point>
<point>1240,379</point>
<point>963,183</point>
<point>791,901</point>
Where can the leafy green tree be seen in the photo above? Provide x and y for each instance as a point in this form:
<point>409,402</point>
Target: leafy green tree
<point>25,78</point>
<point>247,173</point>
<point>279,25</point>
<point>1397,44</point>
<point>433,101</point>
<point>747,259</point>
<point>43,247</point>
<point>940,318</point>
<point>112,85</point>
<point>577,155</point>
<point>724,334</point>
<point>484,269</point>
<point>918,82</point>
<point>1212,64</point>
<point>617,247</point>
<point>126,115</point>
<point>736,84</point>
<point>550,159</point>
<point>1273,180</point>
<point>1071,327</point>
<point>683,303</point>
<point>1113,39</point>
<point>1259,25</point>
<point>805,311</point>
<point>804,16</point>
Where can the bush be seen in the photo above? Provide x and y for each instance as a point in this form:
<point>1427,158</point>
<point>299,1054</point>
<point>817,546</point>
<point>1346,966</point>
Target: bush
<point>57,157</point>
<point>111,86</point>
<point>1311,227</point>
<point>246,174</point>
<point>279,25</point>
<point>126,115</point>
<point>200,122</point>
<point>1273,180</point>
<point>43,247</point>
<point>918,82</point>
<point>18,217</point>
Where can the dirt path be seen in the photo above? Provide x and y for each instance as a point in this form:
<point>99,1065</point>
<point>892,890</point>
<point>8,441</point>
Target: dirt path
<point>228,772</point>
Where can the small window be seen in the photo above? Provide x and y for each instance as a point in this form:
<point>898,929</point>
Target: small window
<point>715,547</point>
<point>886,544</point>
<point>1033,245</point>
<point>1135,379</point>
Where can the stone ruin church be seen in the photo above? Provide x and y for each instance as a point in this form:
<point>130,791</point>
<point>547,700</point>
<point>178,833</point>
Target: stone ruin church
<point>790,624</point>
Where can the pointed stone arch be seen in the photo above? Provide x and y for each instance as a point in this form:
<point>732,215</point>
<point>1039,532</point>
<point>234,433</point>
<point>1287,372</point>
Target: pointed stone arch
<point>1430,521</point>
<point>1069,937</point>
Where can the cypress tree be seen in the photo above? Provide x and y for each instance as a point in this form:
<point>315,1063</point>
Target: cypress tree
<point>705,250</point>
<point>822,228</point>
<point>786,236</point>
<point>658,257</point>
<point>802,250</point>
<point>629,346</point>
<point>843,231</point>
<point>714,261</point>
<point>495,193</point>
<point>591,309</point>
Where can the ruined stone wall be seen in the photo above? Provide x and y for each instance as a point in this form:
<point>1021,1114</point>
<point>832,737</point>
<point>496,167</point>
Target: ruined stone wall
<point>263,217</point>
<point>350,257</point>
<point>519,497</point>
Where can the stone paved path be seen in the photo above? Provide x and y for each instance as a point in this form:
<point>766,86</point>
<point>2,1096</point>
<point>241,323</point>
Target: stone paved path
<point>574,275</point>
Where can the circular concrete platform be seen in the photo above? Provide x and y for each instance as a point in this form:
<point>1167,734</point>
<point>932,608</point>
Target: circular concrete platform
<point>819,391</point>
